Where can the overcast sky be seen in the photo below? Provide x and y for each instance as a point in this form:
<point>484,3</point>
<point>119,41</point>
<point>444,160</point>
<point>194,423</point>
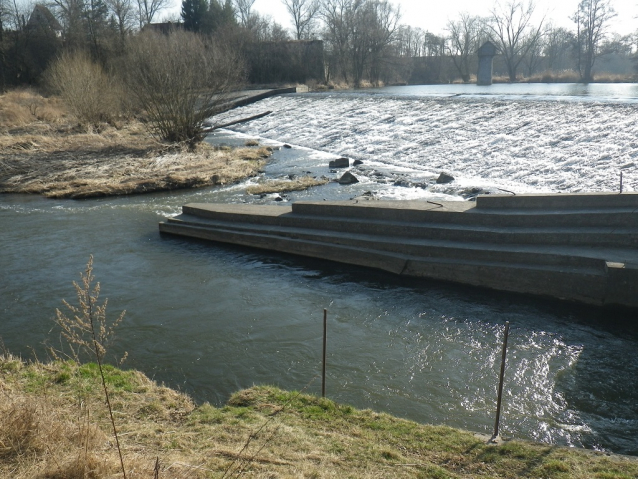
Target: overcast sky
<point>432,15</point>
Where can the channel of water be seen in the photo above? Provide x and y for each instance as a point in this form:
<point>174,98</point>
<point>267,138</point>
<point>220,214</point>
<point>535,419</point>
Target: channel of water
<point>211,319</point>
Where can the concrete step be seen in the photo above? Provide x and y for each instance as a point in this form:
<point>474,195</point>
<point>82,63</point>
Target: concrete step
<point>466,213</point>
<point>515,277</point>
<point>578,201</point>
<point>560,235</point>
<point>462,249</point>
<point>544,246</point>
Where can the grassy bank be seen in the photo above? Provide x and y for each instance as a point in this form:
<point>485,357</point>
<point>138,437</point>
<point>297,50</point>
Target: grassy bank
<point>54,424</point>
<point>44,151</point>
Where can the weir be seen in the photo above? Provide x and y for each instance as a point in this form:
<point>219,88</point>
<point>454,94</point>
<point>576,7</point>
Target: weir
<point>575,247</point>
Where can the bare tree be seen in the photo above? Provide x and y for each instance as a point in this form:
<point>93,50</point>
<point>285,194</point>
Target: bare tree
<point>303,13</point>
<point>557,49</point>
<point>147,9</point>
<point>463,42</point>
<point>180,80</point>
<point>512,31</point>
<point>358,32</point>
<point>244,10</point>
<point>591,18</point>
<point>124,15</point>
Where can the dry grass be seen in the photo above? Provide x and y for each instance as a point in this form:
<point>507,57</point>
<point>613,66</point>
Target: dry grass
<point>281,186</point>
<point>61,160</point>
<point>53,424</point>
<point>22,107</point>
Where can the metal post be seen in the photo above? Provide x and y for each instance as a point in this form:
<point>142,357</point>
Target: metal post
<point>500,383</point>
<point>323,370</point>
<point>621,181</point>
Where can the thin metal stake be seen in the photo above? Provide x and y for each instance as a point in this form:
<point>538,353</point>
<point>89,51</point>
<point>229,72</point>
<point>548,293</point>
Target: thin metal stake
<point>500,383</point>
<point>323,370</point>
<point>621,181</point>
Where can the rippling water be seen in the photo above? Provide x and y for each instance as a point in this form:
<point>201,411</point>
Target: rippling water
<point>211,319</point>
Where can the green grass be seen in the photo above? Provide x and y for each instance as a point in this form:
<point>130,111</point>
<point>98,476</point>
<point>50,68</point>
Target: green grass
<point>267,432</point>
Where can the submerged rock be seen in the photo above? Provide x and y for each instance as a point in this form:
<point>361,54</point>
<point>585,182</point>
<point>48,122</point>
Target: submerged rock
<point>348,179</point>
<point>357,162</point>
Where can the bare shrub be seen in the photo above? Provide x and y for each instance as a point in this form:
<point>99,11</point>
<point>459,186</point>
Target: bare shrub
<point>180,80</point>
<point>91,94</point>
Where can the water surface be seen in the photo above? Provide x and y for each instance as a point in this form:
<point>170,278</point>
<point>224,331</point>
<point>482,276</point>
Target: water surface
<point>212,319</point>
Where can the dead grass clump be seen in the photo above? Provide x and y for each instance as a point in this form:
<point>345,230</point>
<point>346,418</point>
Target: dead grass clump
<point>87,466</point>
<point>282,186</point>
<point>22,107</point>
<point>116,162</point>
<point>19,425</point>
<point>251,143</point>
<point>551,76</point>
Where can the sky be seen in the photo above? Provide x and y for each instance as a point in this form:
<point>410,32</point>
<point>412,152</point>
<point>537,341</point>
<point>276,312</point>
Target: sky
<point>433,15</point>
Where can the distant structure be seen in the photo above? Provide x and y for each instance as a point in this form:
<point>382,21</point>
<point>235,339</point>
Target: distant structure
<point>486,60</point>
<point>42,21</point>
<point>164,28</point>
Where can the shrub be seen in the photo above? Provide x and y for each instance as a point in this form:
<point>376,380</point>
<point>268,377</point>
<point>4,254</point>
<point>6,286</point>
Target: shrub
<point>91,94</point>
<point>180,80</point>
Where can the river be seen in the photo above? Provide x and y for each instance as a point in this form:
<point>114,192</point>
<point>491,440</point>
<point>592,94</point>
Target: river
<point>211,319</point>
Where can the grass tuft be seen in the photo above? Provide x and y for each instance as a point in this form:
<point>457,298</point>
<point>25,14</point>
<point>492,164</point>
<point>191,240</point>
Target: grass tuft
<point>282,186</point>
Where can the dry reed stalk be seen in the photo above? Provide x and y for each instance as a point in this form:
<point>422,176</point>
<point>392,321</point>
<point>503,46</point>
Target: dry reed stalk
<point>89,331</point>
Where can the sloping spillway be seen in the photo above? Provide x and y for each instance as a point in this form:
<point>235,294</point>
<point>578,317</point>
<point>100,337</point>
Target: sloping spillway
<point>577,247</point>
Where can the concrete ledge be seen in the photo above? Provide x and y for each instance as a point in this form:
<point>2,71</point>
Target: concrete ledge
<point>578,248</point>
<point>581,201</point>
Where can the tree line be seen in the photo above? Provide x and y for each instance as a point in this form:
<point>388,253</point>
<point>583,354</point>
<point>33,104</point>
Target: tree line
<point>363,40</point>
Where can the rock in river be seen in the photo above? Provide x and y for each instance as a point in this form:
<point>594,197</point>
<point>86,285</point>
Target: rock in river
<point>339,163</point>
<point>348,179</point>
<point>444,178</point>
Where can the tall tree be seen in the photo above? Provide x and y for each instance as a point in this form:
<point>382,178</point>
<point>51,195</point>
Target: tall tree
<point>124,15</point>
<point>218,15</point>
<point>557,49</point>
<point>591,18</point>
<point>303,13</point>
<point>244,11</point>
<point>194,14</point>
<point>512,31</point>
<point>358,33</point>
<point>465,34</point>
<point>147,9</point>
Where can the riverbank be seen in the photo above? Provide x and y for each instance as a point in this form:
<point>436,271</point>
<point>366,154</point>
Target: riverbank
<point>54,424</point>
<point>43,151</point>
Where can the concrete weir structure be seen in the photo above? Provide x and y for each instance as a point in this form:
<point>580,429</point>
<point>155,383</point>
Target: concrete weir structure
<point>576,247</point>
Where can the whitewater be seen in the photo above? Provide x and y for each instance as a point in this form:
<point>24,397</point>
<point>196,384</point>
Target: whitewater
<point>522,143</point>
